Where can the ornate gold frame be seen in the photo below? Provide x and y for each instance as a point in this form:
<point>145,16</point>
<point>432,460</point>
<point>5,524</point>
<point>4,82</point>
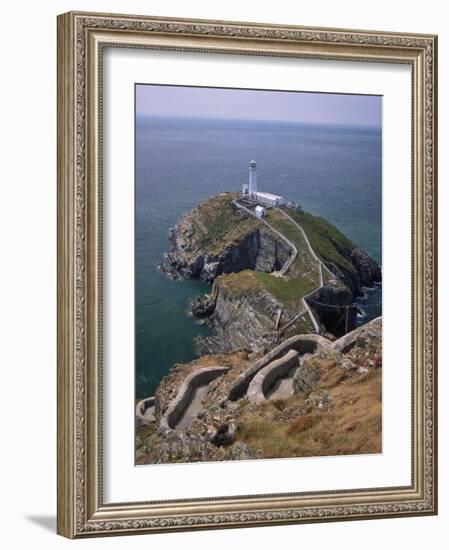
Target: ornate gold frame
<point>81,37</point>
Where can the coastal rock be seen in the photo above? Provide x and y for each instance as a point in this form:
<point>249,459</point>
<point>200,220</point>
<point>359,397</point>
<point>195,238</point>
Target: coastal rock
<point>224,435</point>
<point>240,320</point>
<point>272,252</point>
<point>215,241</point>
<point>203,306</point>
<point>307,377</point>
<point>258,250</point>
<point>363,337</point>
<point>209,270</point>
<point>369,272</point>
<point>214,238</point>
<point>359,271</point>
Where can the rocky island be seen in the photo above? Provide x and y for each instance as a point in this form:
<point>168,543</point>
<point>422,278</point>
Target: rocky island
<point>253,296</point>
<point>285,372</point>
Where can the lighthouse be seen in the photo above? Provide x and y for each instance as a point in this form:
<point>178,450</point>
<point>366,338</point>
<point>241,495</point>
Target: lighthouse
<point>252,187</point>
<point>249,191</point>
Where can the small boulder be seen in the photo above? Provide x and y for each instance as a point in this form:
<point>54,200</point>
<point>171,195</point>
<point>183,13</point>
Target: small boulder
<point>210,271</point>
<point>222,436</point>
<point>203,306</point>
<point>240,451</point>
<point>307,377</point>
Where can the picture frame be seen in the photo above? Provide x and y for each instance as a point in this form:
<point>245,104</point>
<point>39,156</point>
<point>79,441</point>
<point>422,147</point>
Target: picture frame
<point>82,40</point>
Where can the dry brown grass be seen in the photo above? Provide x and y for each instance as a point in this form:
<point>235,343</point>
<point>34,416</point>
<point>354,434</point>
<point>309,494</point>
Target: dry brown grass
<point>352,426</point>
<point>239,283</point>
<point>303,423</point>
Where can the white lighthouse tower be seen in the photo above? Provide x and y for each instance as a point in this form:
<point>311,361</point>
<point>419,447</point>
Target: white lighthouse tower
<point>252,187</point>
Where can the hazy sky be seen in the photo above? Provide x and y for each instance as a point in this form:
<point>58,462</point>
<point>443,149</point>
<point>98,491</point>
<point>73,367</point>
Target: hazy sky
<point>180,101</point>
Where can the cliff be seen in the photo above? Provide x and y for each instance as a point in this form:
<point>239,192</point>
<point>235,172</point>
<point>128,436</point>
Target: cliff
<point>252,305</point>
<point>215,238</point>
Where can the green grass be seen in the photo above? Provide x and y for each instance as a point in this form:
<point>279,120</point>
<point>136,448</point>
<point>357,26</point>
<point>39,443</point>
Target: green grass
<point>285,226</point>
<point>305,261</point>
<point>237,283</point>
<point>286,290</point>
<point>219,223</point>
<point>326,240</point>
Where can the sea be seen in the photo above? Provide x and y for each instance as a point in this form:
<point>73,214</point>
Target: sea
<point>332,171</point>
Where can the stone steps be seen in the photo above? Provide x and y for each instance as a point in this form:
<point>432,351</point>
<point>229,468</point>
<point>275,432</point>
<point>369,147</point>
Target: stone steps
<point>189,397</point>
<point>276,379</point>
<point>303,343</point>
<point>274,372</point>
<point>145,411</point>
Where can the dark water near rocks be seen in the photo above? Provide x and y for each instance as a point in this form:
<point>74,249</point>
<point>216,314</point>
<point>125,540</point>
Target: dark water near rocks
<point>332,171</point>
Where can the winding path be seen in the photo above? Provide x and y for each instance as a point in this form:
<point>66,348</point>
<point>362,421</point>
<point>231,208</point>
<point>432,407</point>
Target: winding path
<point>182,410</point>
<point>287,265</point>
<point>283,387</point>
<point>322,265</point>
<point>145,411</point>
<point>275,379</point>
<point>195,406</point>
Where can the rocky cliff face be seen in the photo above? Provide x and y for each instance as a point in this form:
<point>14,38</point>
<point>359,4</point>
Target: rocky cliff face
<point>258,250</point>
<point>218,243</point>
<point>357,270</point>
<point>333,308</point>
<point>368,271</point>
<point>241,320</point>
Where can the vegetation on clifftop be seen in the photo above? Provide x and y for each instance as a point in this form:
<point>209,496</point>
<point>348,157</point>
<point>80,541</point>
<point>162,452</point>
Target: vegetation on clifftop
<point>327,241</point>
<point>286,290</point>
<point>281,255</point>
<point>217,223</point>
<point>220,223</point>
<point>218,216</point>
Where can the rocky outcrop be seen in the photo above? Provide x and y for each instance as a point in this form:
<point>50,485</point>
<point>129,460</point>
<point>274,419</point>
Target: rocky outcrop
<point>192,447</point>
<point>223,435</point>
<point>221,244</point>
<point>356,270</point>
<point>192,256</point>
<point>371,332</point>
<point>204,306</point>
<point>307,377</point>
<point>369,272</point>
<point>240,320</point>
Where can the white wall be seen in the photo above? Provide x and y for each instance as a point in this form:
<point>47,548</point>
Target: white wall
<point>28,270</point>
